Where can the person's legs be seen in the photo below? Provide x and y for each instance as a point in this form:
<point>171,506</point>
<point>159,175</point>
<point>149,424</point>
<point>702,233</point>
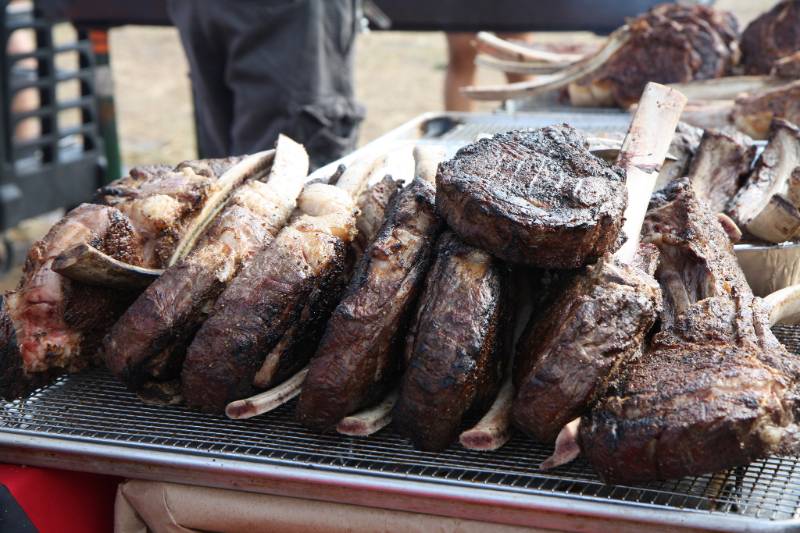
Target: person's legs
<point>204,44</point>
<point>460,71</point>
<point>290,66</point>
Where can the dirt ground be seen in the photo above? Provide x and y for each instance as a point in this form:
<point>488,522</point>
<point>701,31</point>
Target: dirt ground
<point>398,74</point>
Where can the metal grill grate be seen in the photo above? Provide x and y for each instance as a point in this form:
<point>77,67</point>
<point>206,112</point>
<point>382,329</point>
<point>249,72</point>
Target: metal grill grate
<point>93,408</point>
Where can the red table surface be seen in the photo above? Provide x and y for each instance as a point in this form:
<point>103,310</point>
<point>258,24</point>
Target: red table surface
<point>62,501</point>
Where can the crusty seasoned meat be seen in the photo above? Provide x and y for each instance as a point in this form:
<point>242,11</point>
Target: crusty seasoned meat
<point>161,201</point>
<point>714,389</point>
<point>566,357</point>
<point>175,304</point>
<point>753,113</point>
<point>149,340</point>
<point>51,325</point>
<point>771,36</point>
<point>536,197</point>
<point>670,43</point>
<point>303,335</point>
<point>357,358</point>
<point>458,358</point>
<point>266,297</point>
<point>720,166</point>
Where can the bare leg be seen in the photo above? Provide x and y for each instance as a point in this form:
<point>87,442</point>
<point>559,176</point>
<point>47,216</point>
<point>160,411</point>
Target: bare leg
<point>460,71</point>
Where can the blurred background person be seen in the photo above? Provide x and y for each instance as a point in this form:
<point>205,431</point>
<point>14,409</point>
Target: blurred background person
<point>268,67</point>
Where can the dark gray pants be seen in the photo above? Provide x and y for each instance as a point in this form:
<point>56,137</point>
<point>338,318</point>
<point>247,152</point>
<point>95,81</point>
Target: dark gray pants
<point>264,67</point>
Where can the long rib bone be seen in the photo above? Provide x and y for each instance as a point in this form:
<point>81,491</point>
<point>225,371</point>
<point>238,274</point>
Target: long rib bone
<point>492,44</point>
<point>370,420</point>
<point>494,429</point>
<point>552,82</point>
<point>268,400</point>
<point>88,265</point>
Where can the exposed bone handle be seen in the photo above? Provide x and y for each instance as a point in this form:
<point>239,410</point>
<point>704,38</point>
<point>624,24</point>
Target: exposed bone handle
<point>492,44</point>
<point>643,151</point>
<point>494,429</point>
<point>552,82</point>
<point>370,420</point>
<point>784,305</point>
<point>426,161</point>
<point>267,400</point>
<point>86,264</point>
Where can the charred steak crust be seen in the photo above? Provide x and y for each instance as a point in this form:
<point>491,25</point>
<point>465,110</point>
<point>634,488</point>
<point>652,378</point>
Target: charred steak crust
<point>458,356</point>
<point>565,358</point>
<point>714,389</point>
<point>358,356</point>
<point>771,36</point>
<point>251,316</point>
<point>536,197</point>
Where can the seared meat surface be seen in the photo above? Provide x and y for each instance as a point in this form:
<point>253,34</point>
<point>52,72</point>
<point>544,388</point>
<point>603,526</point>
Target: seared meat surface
<point>357,358</point>
<point>536,197</point>
<point>51,325</point>
<point>670,43</point>
<point>265,299</point>
<point>770,37</point>
<point>457,356</point>
<point>566,357</point>
<point>714,389</point>
<point>149,339</point>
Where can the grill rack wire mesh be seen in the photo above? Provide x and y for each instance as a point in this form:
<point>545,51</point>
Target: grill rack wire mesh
<point>92,407</point>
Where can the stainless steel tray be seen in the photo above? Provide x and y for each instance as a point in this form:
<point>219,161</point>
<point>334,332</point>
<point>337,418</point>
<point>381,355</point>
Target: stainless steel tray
<point>91,423</point>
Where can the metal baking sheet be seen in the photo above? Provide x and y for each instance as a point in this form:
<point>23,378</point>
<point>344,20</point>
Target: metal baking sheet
<point>89,422</point>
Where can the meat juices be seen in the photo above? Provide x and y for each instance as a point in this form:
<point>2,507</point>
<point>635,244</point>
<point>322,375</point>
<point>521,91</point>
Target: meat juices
<point>457,355</point>
<point>714,389</point>
<point>535,197</point>
<point>51,325</point>
<point>357,358</point>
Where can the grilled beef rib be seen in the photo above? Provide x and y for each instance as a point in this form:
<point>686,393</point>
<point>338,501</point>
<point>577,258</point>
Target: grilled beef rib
<point>457,352</point>
<point>714,389</point>
<point>536,197</point>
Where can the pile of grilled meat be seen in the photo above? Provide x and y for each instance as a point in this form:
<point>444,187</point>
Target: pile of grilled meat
<point>407,295</point>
